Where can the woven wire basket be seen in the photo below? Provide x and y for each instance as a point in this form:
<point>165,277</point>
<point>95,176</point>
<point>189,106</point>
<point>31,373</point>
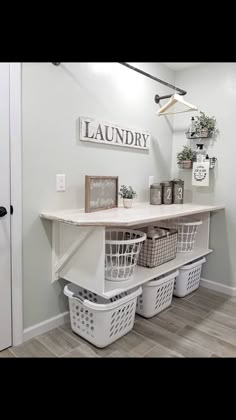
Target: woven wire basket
<point>157,251</point>
<point>199,134</point>
<point>122,251</point>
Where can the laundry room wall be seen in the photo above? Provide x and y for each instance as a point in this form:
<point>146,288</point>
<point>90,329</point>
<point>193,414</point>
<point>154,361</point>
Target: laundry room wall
<point>53,99</point>
<point>212,87</point>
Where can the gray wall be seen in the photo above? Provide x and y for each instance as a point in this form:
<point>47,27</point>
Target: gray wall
<point>53,98</point>
<point>212,87</point>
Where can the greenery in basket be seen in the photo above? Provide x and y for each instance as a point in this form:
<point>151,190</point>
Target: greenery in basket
<point>204,122</point>
<point>185,154</point>
<point>127,192</point>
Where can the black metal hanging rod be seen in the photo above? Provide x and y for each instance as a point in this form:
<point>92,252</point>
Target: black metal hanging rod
<point>157,97</point>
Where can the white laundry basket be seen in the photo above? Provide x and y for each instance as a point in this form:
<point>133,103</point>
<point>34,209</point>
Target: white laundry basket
<point>101,321</point>
<point>187,230</point>
<point>122,249</point>
<point>156,296</point>
<point>188,279</point>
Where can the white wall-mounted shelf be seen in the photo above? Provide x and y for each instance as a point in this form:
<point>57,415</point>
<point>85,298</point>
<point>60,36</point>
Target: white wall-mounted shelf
<point>139,213</point>
<point>143,275</point>
<point>78,243</point>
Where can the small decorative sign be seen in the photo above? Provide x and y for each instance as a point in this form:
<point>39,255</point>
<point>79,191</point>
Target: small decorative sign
<point>101,193</point>
<point>107,133</point>
<point>200,175</point>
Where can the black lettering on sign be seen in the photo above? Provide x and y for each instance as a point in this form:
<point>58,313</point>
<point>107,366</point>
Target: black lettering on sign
<point>99,132</point>
<point>129,138</point>
<point>137,139</point>
<point>118,134</point>
<point>107,133</point>
<point>87,130</point>
<point>145,137</point>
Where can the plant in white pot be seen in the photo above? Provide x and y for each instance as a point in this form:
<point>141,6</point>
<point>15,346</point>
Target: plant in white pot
<point>128,194</point>
<point>185,158</point>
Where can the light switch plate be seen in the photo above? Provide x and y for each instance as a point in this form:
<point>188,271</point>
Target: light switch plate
<point>60,182</point>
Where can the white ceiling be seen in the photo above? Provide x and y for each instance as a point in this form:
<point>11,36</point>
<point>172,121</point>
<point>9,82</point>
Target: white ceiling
<point>181,66</point>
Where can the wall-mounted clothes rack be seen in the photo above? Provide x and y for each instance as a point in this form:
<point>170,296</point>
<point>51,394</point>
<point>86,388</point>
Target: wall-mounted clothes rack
<point>150,76</point>
<point>157,97</point>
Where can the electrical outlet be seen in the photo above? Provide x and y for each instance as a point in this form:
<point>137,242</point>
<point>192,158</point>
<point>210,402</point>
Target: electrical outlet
<point>60,182</point>
<point>151,180</point>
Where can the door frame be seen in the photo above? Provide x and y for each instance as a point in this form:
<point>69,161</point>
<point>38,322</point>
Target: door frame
<point>16,202</point>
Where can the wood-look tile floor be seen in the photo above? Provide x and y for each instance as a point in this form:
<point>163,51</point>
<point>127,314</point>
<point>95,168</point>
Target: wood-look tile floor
<point>202,324</point>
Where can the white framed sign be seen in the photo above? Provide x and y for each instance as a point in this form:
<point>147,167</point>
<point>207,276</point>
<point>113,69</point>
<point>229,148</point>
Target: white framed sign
<point>101,132</point>
<point>200,176</point>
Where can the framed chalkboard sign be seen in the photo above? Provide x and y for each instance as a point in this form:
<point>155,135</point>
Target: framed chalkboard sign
<point>101,193</point>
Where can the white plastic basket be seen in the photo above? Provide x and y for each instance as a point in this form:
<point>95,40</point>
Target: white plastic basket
<point>188,279</point>
<point>122,251</point>
<point>187,230</point>
<point>101,321</point>
<point>156,296</point>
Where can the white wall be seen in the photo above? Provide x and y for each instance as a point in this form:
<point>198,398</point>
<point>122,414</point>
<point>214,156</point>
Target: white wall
<point>212,87</point>
<point>53,98</point>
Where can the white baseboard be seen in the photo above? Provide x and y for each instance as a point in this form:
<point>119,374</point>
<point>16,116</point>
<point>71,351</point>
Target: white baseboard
<point>218,287</point>
<point>62,319</point>
<point>46,326</point>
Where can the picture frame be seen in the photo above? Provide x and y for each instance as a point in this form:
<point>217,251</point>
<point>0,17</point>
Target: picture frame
<point>101,193</point>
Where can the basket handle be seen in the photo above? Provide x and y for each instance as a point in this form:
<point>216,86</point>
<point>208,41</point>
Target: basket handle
<point>109,306</point>
<point>194,264</point>
<point>79,298</point>
<point>74,296</point>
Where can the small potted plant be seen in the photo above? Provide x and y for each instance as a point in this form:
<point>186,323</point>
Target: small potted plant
<point>205,125</point>
<point>185,158</point>
<point>128,194</point>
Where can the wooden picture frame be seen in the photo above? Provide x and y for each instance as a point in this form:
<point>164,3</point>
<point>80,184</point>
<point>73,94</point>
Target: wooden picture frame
<point>101,193</point>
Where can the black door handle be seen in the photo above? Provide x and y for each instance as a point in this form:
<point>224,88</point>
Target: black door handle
<point>3,211</point>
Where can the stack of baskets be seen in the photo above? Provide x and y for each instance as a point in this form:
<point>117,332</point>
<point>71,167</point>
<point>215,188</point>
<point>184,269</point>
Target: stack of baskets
<point>159,248</point>
<point>102,321</point>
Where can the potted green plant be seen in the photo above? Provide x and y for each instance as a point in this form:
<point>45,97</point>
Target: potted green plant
<point>205,125</point>
<point>185,158</point>
<point>128,194</point>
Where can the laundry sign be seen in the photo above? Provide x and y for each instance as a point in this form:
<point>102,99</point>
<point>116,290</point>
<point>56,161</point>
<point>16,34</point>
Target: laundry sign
<point>200,175</point>
<point>101,132</point>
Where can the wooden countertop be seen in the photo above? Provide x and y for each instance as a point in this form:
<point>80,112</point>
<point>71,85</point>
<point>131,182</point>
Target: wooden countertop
<point>138,214</point>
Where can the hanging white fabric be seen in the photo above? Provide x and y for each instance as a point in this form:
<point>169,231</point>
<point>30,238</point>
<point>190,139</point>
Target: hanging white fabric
<point>177,105</point>
<point>200,174</point>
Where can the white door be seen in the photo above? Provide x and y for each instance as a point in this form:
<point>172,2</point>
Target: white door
<point>5,227</point>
